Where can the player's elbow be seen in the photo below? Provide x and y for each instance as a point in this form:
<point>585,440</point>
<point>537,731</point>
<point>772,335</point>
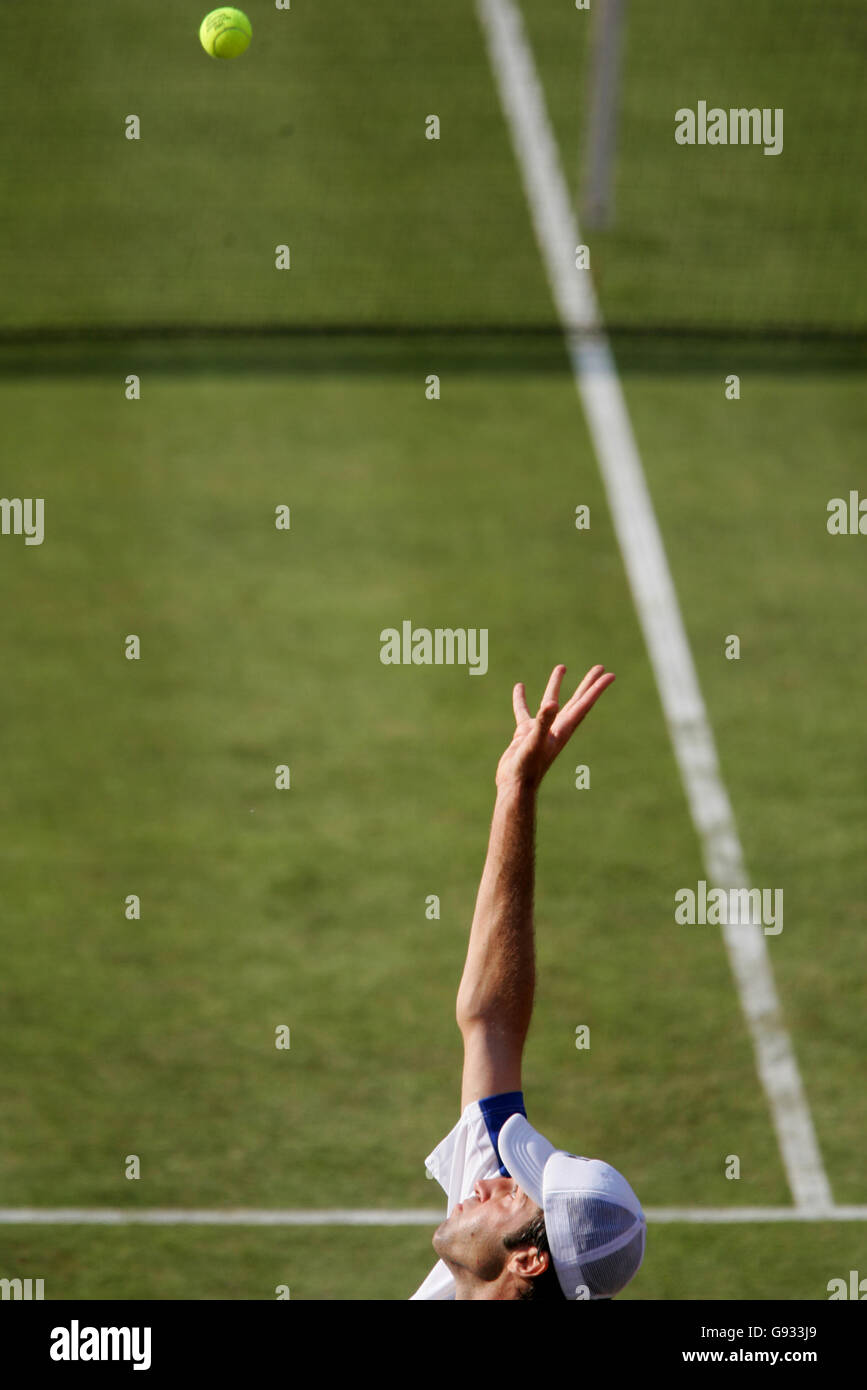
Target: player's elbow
<point>471,1011</point>
<point>477,1017</point>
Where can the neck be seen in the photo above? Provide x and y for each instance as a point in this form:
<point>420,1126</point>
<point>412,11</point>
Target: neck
<point>467,1287</point>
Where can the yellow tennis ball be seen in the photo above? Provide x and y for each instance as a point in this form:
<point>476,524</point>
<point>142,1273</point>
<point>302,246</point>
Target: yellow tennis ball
<point>225,33</point>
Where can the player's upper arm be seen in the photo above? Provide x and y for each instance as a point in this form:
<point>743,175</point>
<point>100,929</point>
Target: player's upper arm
<point>492,1061</point>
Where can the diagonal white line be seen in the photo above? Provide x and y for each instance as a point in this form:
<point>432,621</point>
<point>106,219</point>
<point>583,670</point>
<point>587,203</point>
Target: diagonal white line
<point>652,587</point>
<point>240,1216</point>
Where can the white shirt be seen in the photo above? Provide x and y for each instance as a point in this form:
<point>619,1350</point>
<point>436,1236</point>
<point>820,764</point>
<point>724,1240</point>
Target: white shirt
<point>466,1155</point>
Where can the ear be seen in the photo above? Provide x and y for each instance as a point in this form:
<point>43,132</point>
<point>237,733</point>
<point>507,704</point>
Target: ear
<point>528,1262</point>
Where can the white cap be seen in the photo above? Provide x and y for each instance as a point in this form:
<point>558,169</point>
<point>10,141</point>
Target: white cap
<point>596,1228</point>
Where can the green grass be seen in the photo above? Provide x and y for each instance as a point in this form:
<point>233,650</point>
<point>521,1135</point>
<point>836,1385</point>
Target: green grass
<point>306,907</point>
<point>719,235</point>
<point>315,139</point>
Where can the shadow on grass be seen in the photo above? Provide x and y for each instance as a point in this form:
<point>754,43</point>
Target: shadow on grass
<point>394,348</point>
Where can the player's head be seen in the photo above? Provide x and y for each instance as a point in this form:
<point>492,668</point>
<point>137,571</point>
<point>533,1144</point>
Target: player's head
<point>496,1245</point>
<point>594,1224</point>
<point>560,1227</point>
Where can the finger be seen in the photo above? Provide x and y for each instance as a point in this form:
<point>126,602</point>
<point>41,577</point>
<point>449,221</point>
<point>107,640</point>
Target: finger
<point>577,709</point>
<point>519,703</point>
<point>544,719</point>
<point>592,675</point>
<point>547,713</point>
<point>582,706</point>
<point>589,680</point>
<point>552,689</point>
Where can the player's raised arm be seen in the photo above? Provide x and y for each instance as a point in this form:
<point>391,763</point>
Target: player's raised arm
<point>495,998</point>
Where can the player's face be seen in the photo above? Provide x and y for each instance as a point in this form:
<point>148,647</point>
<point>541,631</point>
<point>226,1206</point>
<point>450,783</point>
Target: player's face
<point>472,1237</point>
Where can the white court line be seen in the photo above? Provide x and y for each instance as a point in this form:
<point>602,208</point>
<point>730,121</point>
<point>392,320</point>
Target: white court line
<point>652,587</point>
<point>168,1216</point>
<point>749,1215</point>
<point>174,1216</point>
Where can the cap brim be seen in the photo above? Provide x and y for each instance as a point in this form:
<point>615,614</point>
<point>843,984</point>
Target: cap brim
<point>525,1152</point>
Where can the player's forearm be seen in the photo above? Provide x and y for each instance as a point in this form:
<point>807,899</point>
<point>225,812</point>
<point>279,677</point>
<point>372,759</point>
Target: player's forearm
<point>498,981</point>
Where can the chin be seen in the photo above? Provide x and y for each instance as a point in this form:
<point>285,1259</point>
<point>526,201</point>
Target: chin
<point>440,1238</point>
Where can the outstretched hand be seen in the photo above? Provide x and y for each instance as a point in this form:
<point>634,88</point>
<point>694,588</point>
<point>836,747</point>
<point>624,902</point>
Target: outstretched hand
<point>536,742</point>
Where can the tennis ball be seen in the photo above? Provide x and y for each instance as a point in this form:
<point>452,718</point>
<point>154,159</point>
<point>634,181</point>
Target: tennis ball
<point>225,33</point>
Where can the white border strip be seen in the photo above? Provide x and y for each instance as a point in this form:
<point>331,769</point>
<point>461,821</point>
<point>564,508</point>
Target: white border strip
<point>652,586</point>
<point>166,1216</point>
